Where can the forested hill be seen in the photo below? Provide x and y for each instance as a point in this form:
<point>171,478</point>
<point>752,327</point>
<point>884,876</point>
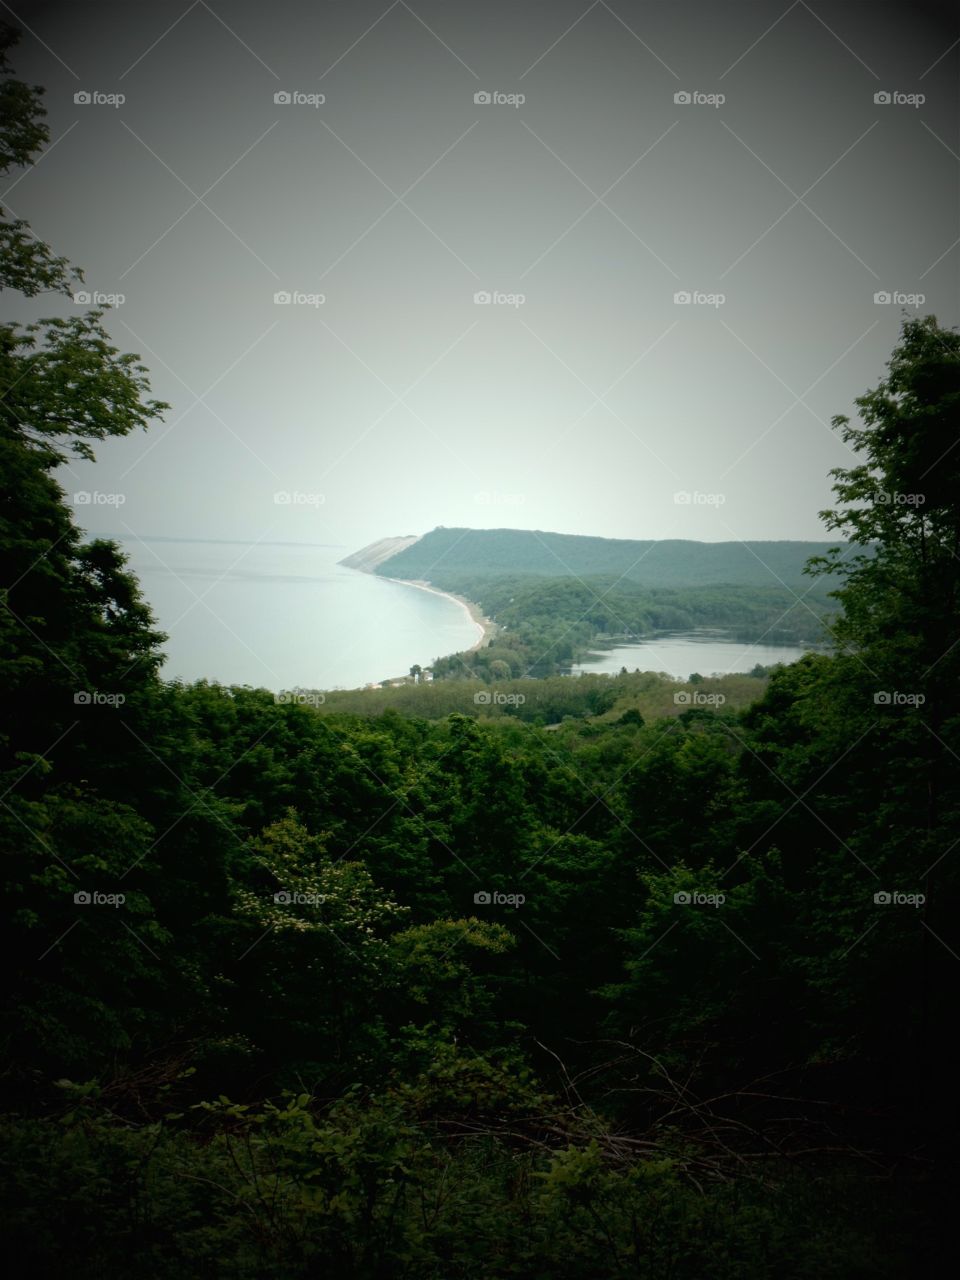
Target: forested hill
<point>667,563</point>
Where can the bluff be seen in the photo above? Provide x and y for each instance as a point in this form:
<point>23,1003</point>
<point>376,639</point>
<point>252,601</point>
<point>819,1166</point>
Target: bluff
<point>444,554</point>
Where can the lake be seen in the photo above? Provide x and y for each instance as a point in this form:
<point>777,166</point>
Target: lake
<point>681,653</point>
<point>281,615</point>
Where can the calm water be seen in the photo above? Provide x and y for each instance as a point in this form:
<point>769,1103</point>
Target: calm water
<point>682,653</point>
<point>279,616</point>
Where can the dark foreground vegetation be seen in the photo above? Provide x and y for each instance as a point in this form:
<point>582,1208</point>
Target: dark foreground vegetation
<point>297,992</point>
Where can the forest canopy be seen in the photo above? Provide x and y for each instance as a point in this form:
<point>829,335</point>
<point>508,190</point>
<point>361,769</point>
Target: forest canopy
<point>659,990</point>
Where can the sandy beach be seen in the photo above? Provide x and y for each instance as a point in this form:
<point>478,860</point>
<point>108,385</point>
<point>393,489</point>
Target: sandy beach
<point>488,628</point>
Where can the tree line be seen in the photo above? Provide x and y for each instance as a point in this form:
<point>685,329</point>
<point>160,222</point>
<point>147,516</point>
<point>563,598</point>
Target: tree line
<point>406,994</point>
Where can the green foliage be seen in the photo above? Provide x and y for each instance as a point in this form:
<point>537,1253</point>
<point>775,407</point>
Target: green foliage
<point>368,1189</point>
<point>62,382</point>
<point>547,701</point>
<point>667,563</point>
<point>548,623</point>
<point>444,993</point>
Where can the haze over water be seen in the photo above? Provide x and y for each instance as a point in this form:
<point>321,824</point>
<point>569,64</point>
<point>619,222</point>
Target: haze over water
<point>282,615</point>
<point>279,616</point>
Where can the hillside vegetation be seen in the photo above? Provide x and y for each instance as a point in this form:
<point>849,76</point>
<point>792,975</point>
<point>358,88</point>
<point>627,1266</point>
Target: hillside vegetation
<point>294,992</point>
<point>547,624</point>
<point>554,596</point>
<point>549,701</point>
<point>668,563</point>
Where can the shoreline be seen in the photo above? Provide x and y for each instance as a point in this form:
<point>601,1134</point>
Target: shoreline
<point>488,628</point>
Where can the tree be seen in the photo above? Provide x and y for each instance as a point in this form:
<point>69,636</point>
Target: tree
<point>26,263</point>
<point>78,662</point>
<point>900,509</point>
<point>62,382</point>
<point>313,935</point>
<point>900,592</point>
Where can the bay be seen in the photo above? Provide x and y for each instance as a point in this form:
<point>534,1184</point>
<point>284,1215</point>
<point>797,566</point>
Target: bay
<point>679,654</point>
<point>283,615</point>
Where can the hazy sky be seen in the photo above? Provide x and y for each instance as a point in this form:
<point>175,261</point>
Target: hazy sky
<point>400,401</point>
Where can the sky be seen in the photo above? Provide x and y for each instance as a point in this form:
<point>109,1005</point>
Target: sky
<point>486,218</point>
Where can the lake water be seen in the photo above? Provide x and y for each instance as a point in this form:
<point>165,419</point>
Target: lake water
<point>286,615</point>
<point>681,653</point>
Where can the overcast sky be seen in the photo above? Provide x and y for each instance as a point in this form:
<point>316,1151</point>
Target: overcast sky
<point>398,402</point>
